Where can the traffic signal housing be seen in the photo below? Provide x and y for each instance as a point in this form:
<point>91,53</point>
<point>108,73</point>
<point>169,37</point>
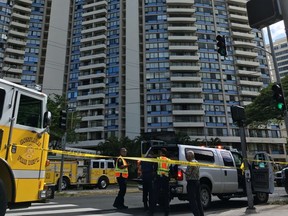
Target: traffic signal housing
<point>262,13</point>
<point>279,97</point>
<point>222,45</point>
<point>63,119</point>
<point>237,113</point>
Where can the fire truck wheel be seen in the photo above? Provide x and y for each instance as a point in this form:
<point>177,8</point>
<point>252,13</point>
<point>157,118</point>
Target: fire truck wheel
<point>3,199</point>
<point>103,182</point>
<point>65,184</point>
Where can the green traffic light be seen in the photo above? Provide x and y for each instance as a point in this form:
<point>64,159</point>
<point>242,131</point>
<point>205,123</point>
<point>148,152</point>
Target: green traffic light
<point>280,106</point>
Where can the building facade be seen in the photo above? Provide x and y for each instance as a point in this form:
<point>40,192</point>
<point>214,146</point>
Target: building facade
<point>129,67</point>
<point>281,53</point>
<point>153,66</point>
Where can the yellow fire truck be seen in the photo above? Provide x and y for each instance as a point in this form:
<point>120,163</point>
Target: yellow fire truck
<point>24,121</point>
<point>93,173</point>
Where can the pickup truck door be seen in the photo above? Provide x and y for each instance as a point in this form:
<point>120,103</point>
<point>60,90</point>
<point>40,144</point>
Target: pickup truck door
<point>229,173</point>
<point>262,173</point>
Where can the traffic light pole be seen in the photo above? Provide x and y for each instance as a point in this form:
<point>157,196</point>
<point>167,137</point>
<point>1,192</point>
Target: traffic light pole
<point>278,78</point>
<point>250,208</point>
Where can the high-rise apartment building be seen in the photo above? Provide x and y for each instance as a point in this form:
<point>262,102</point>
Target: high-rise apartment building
<point>152,65</point>
<point>281,54</point>
<point>146,66</point>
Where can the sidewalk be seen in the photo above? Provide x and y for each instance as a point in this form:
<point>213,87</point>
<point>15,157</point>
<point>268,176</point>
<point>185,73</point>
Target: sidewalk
<point>263,210</point>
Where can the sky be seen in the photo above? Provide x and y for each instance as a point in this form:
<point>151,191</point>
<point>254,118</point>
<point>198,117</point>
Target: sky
<point>277,31</point>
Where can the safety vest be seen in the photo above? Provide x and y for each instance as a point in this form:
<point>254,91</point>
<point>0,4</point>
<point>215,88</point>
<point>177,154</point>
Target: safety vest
<point>124,171</point>
<point>163,167</point>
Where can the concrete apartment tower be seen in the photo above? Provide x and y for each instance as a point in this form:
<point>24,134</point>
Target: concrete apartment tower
<point>136,66</point>
<point>153,66</point>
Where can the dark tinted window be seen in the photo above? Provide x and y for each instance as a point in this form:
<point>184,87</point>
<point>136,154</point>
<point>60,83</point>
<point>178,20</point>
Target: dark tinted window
<point>95,164</point>
<point>110,165</point>
<point>201,155</point>
<point>237,158</point>
<point>30,112</point>
<point>227,159</point>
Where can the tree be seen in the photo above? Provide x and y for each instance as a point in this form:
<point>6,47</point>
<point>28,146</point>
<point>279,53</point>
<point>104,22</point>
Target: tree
<point>55,104</point>
<point>263,108</point>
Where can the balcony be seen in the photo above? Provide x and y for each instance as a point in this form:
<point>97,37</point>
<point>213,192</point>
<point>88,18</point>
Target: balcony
<point>182,38</point>
<point>248,54</point>
<point>188,112</point>
<point>186,89</point>
<point>185,79</point>
<point>180,2</point>
<point>181,19</point>
<point>185,68</point>
<point>181,10</point>
<point>247,63</point>
<point>244,44</point>
<point>183,57</point>
<point>187,100</point>
<point>242,35</point>
<point>238,18</point>
<point>251,83</point>
<point>93,66</point>
<point>90,76</point>
<point>182,28</point>
<point>249,73</point>
<point>189,48</point>
<point>94,29</point>
<point>249,93</point>
<point>188,124</point>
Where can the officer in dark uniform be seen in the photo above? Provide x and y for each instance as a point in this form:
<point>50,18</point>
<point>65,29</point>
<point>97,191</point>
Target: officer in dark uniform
<point>162,181</point>
<point>121,173</point>
<point>148,170</point>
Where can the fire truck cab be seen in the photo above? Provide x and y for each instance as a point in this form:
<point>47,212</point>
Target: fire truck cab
<point>24,121</point>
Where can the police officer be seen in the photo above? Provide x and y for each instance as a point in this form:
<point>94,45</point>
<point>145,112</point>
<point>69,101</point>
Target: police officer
<point>148,170</point>
<point>193,185</point>
<point>121,173</point>
<point>162,182</point>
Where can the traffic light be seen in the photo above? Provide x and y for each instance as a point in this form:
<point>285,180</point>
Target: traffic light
<point>222,45</point>
<point>237,113</point>
<point>262,13</point>
<point>279,97</point>
<point>63,119</point>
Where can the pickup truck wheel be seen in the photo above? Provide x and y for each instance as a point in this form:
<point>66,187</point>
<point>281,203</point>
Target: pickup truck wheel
<point>261,198</point>
<point>3,199</point>
<point>103,183</point>
<point>205,195</point>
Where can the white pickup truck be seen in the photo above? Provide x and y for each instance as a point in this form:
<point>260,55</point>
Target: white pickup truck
<point>225,180</point>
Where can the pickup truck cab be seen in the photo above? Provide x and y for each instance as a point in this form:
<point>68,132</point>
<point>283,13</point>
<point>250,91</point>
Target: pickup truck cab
<point>223,177</point>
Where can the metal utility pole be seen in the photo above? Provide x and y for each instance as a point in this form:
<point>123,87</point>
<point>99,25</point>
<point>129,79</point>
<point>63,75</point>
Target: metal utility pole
<point>278,78</point>
<point>247,172</point>
<point>62,162</point>
<point>238,115</point>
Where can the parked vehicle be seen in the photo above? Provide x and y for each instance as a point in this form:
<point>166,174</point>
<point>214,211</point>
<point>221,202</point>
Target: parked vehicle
<point>93,173</point>
<point>225,179</point>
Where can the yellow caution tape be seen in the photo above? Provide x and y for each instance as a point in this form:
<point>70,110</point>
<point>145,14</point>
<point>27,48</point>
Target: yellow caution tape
<point>155,160</point>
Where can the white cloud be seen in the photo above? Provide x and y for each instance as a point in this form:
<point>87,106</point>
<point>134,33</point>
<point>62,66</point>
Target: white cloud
<point>277,31</point>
